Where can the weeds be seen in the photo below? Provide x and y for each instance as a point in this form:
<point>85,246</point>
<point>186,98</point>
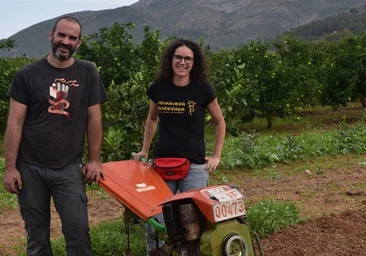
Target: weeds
<point>268,216</point>
<point>253,152</point>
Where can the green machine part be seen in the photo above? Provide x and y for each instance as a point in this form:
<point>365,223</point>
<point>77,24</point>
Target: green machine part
<point>218,236</point>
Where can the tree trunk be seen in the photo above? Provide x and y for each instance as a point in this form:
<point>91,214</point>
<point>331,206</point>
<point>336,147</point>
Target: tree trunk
<point>269,122</point>
<point>363,101</point>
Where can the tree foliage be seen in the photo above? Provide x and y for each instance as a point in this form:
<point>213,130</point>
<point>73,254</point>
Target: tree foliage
<point>6,44</point>
<point>257,82</point>
<point>8,68</point>
<point>112,50</point>
<point>127,70</point>
<point>343,72</point>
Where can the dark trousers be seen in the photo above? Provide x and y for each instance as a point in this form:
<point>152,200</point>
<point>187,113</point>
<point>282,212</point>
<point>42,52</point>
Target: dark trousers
<point>67,189</point>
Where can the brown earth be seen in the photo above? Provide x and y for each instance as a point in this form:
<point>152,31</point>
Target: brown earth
<point>102,207</point>
<point>332,200</point>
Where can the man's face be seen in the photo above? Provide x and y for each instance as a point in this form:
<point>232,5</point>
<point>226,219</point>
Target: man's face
<point>65,39</point>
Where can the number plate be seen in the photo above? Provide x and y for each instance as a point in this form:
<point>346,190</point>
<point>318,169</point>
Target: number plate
<point>228,210</point>
<point>230,205</point>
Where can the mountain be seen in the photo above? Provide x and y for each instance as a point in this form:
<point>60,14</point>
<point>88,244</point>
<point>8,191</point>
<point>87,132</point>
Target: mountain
<point>352,22</point>
<point>222,23</point>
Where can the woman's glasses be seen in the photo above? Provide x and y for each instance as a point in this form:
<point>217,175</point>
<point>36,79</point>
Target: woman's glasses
<point>179,58</point>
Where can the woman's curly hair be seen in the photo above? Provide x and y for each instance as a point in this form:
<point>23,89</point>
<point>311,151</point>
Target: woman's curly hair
<point>199,69</point>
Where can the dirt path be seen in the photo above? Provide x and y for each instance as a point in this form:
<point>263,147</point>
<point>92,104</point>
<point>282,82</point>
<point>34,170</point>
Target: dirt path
<point>341,234</point>
<point>334,200</point>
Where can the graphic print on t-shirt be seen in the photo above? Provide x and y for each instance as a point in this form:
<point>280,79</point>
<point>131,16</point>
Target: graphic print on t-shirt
<point>59,91</point>
<point>175,107</point>
<point>191,104</point>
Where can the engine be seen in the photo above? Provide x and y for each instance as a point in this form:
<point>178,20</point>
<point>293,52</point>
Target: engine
<point>207,221</point>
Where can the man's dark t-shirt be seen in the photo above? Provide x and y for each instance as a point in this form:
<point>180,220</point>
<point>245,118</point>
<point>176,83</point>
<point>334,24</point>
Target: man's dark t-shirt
<point>57,106</point>
<point>181,112</point>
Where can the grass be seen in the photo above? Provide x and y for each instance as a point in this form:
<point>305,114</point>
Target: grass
<point>317,166</point>
<point>7,200</point>
<point>1,146</point>
<point>310,119</point>
<point>110,239</point>
<point>256,151</point>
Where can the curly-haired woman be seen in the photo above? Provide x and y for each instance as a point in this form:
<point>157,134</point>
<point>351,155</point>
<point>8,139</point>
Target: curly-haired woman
<point>179,97</point>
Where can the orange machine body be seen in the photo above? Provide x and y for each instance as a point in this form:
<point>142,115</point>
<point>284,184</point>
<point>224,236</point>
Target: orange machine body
<point>217,203</point>
<point>141,189</point>
<point>136,185</point>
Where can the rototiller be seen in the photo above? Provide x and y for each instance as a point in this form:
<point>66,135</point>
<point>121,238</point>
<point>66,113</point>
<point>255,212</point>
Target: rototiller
<point>206,221</point>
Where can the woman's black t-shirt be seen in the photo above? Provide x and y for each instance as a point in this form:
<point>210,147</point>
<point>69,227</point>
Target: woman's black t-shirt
<point>181,112</point>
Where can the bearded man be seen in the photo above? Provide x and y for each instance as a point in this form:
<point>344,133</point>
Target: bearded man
<point>54,102</point>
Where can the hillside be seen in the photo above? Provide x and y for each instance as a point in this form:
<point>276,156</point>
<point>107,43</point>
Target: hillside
<point>222,23</point>
<point>353,21</point>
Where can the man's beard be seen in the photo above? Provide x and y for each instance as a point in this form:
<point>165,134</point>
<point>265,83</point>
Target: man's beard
<point>55,53</point>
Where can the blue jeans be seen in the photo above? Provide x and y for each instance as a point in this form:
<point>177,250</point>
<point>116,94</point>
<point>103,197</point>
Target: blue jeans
<point>197,178</point>
<point>67,189</point>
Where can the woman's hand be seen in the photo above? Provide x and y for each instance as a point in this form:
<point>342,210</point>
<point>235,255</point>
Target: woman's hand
<point>212,163</point>
<point>143,154</point>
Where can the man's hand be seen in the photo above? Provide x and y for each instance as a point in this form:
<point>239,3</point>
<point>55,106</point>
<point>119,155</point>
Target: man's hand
<point>93,171</point>
<point>12,181</point>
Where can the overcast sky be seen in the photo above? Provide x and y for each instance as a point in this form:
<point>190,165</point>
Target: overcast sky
<point>16,15</point>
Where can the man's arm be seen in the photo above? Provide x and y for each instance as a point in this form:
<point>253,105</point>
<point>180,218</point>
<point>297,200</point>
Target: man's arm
<point>92,171</point>
<point>13,134</point>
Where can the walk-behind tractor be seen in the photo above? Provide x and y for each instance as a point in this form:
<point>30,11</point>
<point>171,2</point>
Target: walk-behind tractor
<point>207,221</point>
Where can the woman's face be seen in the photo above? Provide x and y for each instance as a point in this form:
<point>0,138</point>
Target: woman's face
<point>182,62</point>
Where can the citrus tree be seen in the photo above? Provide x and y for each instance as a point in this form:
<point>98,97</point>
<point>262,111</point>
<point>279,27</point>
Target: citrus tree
<point>128,70</point>
<point>339,72</point>
<point>299,65</point>
<point>8,68</point>
<point>112,50</point>
<point>252,82</point>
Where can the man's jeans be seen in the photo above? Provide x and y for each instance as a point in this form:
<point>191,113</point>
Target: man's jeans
<point>67,189</point>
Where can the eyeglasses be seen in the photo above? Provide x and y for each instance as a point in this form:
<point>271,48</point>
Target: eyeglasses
<point>187,59</point>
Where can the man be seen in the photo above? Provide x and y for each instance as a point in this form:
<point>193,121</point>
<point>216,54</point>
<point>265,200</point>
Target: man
<point>53,103</point>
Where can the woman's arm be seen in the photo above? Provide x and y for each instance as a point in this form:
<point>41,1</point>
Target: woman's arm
<point>220,130</point>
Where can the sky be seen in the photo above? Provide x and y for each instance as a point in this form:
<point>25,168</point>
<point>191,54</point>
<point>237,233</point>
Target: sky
<point>16,15</point>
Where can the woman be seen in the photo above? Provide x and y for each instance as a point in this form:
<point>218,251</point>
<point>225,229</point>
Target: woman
<point>178,99</point>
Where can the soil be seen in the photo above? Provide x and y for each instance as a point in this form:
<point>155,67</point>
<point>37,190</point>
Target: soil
<point>333,203</point>
<point>331,200</point>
